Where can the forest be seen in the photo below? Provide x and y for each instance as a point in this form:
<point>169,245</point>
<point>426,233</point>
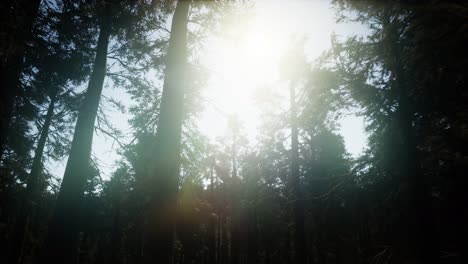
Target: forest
<point>212,132</point>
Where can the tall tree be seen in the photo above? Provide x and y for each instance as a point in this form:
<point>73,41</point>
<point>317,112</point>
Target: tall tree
<point>61,242</point>
<point>394,91</point>
<point>32,189</point>
<point>236,211</point>
<point>59,56</point>
<point>293,73</point>
<point>164,175</point>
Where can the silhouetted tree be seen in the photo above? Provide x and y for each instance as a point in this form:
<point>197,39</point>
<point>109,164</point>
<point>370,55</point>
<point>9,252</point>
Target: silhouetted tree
<point>61,242</point>
<point>18,18</point>
<point>164,174</point>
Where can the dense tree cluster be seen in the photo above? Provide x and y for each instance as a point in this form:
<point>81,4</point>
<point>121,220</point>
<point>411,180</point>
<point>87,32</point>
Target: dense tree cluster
<point>296,196</point>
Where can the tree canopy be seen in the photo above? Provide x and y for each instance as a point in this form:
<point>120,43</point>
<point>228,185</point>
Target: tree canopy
<point>140,74</point>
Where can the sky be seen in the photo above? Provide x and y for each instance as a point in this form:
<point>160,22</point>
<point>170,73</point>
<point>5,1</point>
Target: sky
<point>243,59</point>
<point>243,62</point>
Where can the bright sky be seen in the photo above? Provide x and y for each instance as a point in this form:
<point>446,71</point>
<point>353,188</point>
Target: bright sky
<point>249,56</point>
<point>243,59</point>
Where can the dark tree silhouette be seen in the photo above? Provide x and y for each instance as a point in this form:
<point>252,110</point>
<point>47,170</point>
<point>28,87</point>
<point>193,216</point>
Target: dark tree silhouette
<point>61,242</point>
<point>18,18</point>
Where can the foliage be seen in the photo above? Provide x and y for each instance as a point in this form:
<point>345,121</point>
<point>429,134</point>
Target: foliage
<point>401,201</point>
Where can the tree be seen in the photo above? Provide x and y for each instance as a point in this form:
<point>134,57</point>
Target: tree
<point>295,66</point>
<point>61,242</point>
<point>176,197</point>
<point>159,240</point>
<point>19,18</point>
<point>57,70</point>
<point>380,72</point>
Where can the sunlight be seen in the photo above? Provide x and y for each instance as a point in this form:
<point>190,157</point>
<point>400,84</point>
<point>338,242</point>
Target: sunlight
<point>245,58</point>
<point>248,60</point>
<point>242,59</point>
<point>228,131</point>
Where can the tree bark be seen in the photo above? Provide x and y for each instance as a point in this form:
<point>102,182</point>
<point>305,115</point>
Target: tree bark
<point>61,243</point>
<point>164,175</point>
<point>15,30</point>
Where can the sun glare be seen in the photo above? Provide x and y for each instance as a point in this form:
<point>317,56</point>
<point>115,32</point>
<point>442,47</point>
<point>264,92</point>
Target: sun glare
<point>246,58</point>
<point>243,63</point>
<point>243,58</point>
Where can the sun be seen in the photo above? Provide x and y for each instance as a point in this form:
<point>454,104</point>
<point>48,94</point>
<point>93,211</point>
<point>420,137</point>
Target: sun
<point>247,58</point>
<point>239,65</point>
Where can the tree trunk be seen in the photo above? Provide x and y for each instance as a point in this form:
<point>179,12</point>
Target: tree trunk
<point>420,237</point>
<point>15,31</point>
<point>211,234</point>
<point>236,214</point>
<point>295,185</point>
<point>61,243</point>
<point>29,206</point>
<point>164,175</point>
<point>33,179</point>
